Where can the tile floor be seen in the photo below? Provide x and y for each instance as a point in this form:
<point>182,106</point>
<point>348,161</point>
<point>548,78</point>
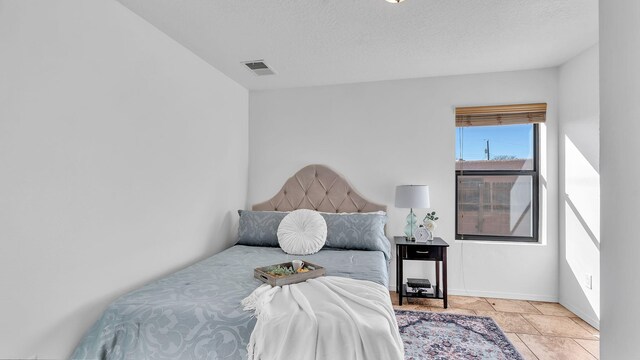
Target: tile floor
<point>539,330</point>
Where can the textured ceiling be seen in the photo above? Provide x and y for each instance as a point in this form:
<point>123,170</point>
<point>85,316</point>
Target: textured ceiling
<point>318,42</point>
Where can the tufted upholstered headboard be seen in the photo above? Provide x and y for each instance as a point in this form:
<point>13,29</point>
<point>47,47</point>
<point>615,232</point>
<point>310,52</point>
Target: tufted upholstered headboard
<point>317,187</point>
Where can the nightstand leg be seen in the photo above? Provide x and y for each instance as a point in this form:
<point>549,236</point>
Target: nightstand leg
<point>399,274</point>
<point>438,282</point>
<point>400,277</point>
<point>444,278</point>
<point>401,287</point>
<point>397,271</point>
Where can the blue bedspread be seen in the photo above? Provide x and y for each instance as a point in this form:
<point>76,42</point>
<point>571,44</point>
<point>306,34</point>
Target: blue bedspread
<point>195,313</point>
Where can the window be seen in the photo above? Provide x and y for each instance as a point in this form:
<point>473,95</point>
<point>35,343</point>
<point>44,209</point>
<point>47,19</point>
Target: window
<point>497,172</point>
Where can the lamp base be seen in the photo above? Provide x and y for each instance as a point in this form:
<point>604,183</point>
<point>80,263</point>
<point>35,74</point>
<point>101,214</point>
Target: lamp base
<point>410,228</point>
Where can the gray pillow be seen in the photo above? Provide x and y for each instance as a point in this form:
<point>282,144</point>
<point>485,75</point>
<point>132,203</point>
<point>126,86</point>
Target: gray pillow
<point>357,231</point>
<point>259,228</point>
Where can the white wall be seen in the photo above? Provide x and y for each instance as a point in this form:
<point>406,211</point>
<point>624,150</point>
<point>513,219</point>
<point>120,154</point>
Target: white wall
<point>122,158</point>
<point>383,134</point>
<point>579,151</point>
<point>619,173</point>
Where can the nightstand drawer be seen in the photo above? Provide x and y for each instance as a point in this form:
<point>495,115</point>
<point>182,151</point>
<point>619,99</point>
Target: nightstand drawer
<point>423,253</point>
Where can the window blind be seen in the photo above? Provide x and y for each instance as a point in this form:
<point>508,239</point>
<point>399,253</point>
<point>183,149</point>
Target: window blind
<point>501,115</point>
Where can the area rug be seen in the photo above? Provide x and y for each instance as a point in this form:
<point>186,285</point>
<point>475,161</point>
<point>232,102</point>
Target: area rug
<point>440,336</point>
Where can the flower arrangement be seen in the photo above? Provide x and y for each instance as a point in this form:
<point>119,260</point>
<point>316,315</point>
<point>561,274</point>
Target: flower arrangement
<point>429,221</point>
<point>282,271</point>
<point>431,216</point>
<point>279,270</point>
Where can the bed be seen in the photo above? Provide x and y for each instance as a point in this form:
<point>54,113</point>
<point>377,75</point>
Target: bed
<point>196,313</point>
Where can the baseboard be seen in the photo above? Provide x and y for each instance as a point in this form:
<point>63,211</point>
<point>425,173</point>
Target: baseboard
<point>503,295</point>
<point>590,320</point>
<point>499,295</point>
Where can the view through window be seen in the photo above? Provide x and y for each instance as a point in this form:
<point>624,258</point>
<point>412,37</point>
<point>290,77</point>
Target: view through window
<point>497,182</point>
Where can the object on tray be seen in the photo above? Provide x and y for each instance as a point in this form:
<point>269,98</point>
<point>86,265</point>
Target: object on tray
<point>298,265</point>
<point>284,273</point>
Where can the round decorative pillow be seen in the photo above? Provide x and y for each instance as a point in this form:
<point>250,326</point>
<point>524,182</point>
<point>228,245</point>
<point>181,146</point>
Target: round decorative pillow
<point>302,232</point>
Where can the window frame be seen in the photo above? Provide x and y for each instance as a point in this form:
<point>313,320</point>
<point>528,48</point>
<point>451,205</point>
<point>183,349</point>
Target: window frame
<point>535,196</point>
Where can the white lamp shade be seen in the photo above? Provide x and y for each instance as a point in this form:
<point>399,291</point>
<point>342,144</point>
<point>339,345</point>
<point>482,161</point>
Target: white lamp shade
<point>412,196</point>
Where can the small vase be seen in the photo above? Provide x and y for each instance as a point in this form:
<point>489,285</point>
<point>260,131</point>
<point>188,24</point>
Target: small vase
<point>430,225</point>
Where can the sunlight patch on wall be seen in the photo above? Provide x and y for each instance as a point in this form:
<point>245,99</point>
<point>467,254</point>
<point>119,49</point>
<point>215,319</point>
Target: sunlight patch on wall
<point>582,188</point>
<point>582,222</point>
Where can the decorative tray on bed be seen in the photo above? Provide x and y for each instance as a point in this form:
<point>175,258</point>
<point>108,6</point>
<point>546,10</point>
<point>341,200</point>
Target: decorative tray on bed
<point>284,273</point>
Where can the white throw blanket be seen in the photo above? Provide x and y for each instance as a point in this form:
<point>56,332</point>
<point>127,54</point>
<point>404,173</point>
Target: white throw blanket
<point>325,318</point>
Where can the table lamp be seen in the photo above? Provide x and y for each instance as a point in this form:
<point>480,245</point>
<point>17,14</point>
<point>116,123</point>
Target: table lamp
<point>410,197</point>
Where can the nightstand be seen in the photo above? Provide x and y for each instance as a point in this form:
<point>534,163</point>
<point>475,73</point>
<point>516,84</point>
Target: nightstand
<point>433,250</point>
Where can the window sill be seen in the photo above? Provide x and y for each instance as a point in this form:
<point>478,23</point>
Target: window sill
<point>499,242</point>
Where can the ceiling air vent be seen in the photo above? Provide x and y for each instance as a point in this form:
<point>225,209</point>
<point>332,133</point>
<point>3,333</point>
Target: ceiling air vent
<point>258,67</point>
